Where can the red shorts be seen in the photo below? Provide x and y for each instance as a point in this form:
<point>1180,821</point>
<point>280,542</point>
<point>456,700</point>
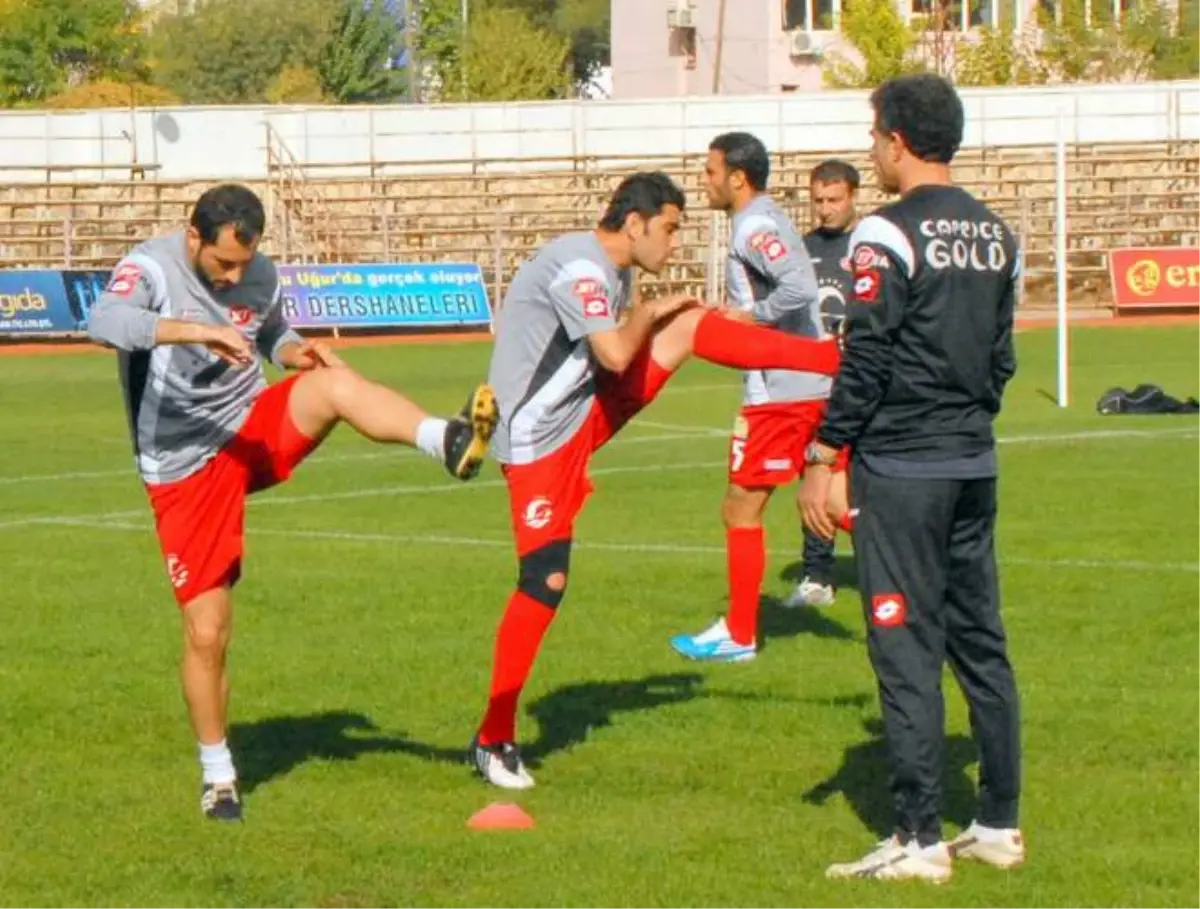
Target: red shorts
<point>201,518</point>
<point>767,447</point>
<point>548,494</point>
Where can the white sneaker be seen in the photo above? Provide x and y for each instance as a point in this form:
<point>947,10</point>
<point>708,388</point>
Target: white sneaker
<point>714,645</point>
<point>501,765</point>
<point>893,861</point>
<point>810,593</point>
<point>990,845</point>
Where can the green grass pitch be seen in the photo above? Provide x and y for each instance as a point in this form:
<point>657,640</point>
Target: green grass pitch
<point>362,650</point>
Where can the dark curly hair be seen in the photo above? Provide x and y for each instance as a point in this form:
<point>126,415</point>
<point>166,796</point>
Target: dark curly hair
<point>645,194</point>
<point>925,111</point>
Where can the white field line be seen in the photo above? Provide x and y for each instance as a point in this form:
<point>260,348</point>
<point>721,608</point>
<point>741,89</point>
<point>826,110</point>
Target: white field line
<point>430,489</point>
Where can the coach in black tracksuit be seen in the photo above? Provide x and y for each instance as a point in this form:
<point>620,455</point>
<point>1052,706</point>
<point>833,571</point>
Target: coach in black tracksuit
<point>929,349</point>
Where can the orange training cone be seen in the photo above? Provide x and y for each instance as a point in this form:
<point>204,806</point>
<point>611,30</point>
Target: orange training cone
<point>500,816</point>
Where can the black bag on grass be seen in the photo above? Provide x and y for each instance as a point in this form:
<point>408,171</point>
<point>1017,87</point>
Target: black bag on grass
<point>1145,399</point>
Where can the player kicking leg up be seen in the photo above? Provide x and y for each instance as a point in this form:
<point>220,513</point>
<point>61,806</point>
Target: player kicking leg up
<point>573,362</point>
<point>193,314</point>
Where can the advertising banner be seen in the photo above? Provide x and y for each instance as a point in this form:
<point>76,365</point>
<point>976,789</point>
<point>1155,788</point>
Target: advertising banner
<point>374,296</point>
<point>1148,277</point>
<point>58,301</point>
<point>48,301</point>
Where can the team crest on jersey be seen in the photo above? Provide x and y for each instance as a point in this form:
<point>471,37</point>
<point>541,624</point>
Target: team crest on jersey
<point>769,244</point>
<point>241,316</point>
<point>538,513</point>
<point>124,280</point>
<point>593,297</point>
<point>865,258</point>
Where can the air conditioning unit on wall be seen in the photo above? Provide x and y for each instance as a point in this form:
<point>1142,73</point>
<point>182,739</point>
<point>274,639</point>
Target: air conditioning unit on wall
<point>804,44</point>
<point>680,14</point>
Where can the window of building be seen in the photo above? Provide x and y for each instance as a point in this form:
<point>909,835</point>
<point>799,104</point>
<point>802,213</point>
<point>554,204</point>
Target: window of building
<point>1087,12</point>
<point>823,14</point>
<point>681,42</point>
<point>956,15</point>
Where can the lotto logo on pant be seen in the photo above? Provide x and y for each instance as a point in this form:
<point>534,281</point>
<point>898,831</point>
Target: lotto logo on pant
<point>888,610</point>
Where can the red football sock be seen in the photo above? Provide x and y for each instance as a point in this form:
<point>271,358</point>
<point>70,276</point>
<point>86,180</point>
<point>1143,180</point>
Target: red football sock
<point>743,346</point>
<point>746,552</point>
<point>521,631</point>
<point>847,522</point>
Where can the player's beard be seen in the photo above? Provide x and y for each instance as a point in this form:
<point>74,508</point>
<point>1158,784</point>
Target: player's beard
<point>209,282</point>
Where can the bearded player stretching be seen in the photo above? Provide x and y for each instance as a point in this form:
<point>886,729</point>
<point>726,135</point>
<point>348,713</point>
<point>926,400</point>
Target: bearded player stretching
<point>194,314</point>
<point>573,362</point>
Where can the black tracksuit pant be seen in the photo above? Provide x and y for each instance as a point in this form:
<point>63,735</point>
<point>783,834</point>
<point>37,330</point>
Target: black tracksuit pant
<point>818,558</point>
<point>926,558</point>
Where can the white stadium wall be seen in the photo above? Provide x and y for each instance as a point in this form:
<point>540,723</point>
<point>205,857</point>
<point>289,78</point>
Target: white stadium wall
<point>230,142</point>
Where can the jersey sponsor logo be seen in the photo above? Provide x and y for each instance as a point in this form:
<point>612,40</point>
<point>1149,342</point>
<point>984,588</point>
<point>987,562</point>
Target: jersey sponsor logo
<point>124,280</point>
<point>866,286</point>
<point>241,316</point>
<point>865,257</point>
<point>593,297</point>
<point>964,245</point>
<point>769,244</point>
<point>538,513</point>
<point>888,610</point>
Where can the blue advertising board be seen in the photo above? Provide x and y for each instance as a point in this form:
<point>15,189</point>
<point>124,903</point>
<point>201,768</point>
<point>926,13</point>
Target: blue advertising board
<point>48,301</point>
<point>432,296</point>
<point>376,296</point>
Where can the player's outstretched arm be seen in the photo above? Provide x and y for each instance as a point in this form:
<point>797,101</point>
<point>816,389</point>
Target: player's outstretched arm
<point>581,298</point>
<point>616,348</point>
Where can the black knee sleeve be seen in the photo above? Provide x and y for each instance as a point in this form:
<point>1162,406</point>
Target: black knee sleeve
<point>538,566</point>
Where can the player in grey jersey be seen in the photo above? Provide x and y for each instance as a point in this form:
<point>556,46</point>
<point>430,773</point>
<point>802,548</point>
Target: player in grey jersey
<point>193,315</point>
<point>574,360</point>
<point>769,280</point>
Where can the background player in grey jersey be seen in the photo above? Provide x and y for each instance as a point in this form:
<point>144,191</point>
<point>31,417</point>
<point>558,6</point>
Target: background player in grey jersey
<point>832,190</point>
<point>574,361</point>
<point>193,315</point>
<point>769,280</point>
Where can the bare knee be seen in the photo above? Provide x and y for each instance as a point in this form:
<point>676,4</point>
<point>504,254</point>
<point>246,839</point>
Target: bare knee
<point>207,626</point>
<point>339,387</point>
<point>743,507</point>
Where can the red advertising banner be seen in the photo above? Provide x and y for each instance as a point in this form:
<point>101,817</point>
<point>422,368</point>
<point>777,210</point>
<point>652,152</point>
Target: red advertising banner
<point>1148,277</point>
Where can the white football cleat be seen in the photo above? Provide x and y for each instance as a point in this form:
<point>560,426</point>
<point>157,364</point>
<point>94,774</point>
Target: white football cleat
<point>811,593</point>
<point>892,860</point>
<point>501,765</point>
<point>990,845</point>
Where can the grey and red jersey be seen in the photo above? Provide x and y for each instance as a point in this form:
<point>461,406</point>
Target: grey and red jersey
<point>543,369</point>
<point>769,273</point>
<point>184,403</point>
